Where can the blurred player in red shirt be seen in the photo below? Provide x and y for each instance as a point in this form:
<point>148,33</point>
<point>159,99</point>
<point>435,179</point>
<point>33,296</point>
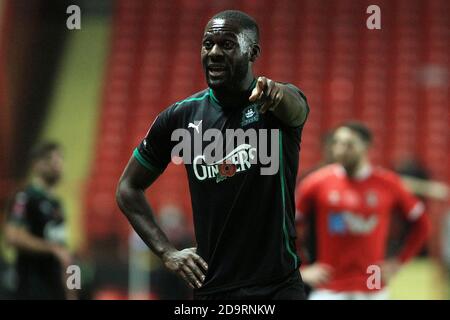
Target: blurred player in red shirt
<point>351,203</point>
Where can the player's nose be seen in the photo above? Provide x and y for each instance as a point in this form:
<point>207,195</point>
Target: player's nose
<point>215,51</point>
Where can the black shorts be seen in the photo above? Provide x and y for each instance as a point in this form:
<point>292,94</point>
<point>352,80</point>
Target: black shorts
<point>290,288</point>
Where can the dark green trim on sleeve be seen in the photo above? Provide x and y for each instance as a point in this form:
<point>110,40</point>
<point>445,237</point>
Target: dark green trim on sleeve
<point>144,162</point>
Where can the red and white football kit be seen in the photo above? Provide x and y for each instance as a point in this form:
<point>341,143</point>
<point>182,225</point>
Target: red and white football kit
<point>352,217</point>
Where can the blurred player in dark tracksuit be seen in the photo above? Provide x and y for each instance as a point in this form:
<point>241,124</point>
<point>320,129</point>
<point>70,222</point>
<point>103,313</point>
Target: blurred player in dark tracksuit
<point>350,204</point>
<point>35,228</point>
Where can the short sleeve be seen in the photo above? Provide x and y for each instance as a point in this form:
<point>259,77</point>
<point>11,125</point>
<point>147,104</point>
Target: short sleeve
<point>411,207</point>
<point>303,96</point>
<point>293,133</point>
<point>17,213</point>
<point>154,151</point>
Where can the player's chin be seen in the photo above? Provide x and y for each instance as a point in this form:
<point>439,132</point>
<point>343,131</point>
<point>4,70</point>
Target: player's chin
<point>217,83</point>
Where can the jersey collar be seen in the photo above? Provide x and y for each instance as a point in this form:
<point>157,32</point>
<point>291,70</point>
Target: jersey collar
<point>362,175</point>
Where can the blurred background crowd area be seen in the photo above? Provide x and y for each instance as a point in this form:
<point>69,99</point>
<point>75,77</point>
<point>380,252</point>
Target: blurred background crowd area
<point>96,91</point>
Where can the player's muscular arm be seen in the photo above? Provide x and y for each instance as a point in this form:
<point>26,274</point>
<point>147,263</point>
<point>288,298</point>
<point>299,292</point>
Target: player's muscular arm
<point>131,200</point>
<point>282,99</point>
<point>133,203</point>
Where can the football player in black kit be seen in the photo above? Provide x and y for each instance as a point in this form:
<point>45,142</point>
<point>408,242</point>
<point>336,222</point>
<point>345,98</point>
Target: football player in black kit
<point>36,228</point>
<point>244,220</point>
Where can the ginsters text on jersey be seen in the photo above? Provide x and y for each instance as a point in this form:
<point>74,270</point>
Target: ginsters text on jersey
<point>217,155</point>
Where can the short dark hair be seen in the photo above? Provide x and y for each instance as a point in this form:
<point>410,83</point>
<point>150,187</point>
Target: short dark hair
<point>244,20</point>
<point>43,149</point>
<point>360,129</point>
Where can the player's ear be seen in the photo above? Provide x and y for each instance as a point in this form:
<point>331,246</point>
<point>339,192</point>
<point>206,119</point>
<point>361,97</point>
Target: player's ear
<point>255,51</point>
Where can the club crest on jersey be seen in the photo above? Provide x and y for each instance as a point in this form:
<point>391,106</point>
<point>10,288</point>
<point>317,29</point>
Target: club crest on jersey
<point>46,208</point>
<point>250,115</point>
<point>371,199</point>
<point>334,197</point>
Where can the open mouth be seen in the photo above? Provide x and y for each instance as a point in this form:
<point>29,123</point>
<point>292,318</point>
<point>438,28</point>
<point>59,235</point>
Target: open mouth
<point>216,70</point>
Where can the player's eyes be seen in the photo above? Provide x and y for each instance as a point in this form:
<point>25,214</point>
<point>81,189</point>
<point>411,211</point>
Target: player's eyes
<point>227,45</point>
<point>207,44</point>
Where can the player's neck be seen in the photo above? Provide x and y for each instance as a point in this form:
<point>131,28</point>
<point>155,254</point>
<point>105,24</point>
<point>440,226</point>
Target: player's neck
<point>238,95</point>
<point>40,183</point>
<point>360,171</point>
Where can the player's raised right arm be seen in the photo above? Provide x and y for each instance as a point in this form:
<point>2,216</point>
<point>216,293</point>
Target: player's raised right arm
<point>130,196</point>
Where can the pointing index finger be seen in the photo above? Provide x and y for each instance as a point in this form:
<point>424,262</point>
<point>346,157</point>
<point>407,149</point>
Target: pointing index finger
<point>258,91</point>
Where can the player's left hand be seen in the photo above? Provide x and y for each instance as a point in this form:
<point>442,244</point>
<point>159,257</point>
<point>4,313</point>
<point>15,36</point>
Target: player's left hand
<point>389,269</point>
<point>268,91</point>
<point>187,264</point>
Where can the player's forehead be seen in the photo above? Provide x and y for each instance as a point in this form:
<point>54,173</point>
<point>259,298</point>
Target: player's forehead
<point>50,155</point>
<point>222,27</point>
<point>345,134</point>
<point>55,155</point>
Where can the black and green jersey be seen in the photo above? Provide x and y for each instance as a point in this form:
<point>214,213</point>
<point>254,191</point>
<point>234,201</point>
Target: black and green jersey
<point>39,275</point>
<point>244,220</point>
